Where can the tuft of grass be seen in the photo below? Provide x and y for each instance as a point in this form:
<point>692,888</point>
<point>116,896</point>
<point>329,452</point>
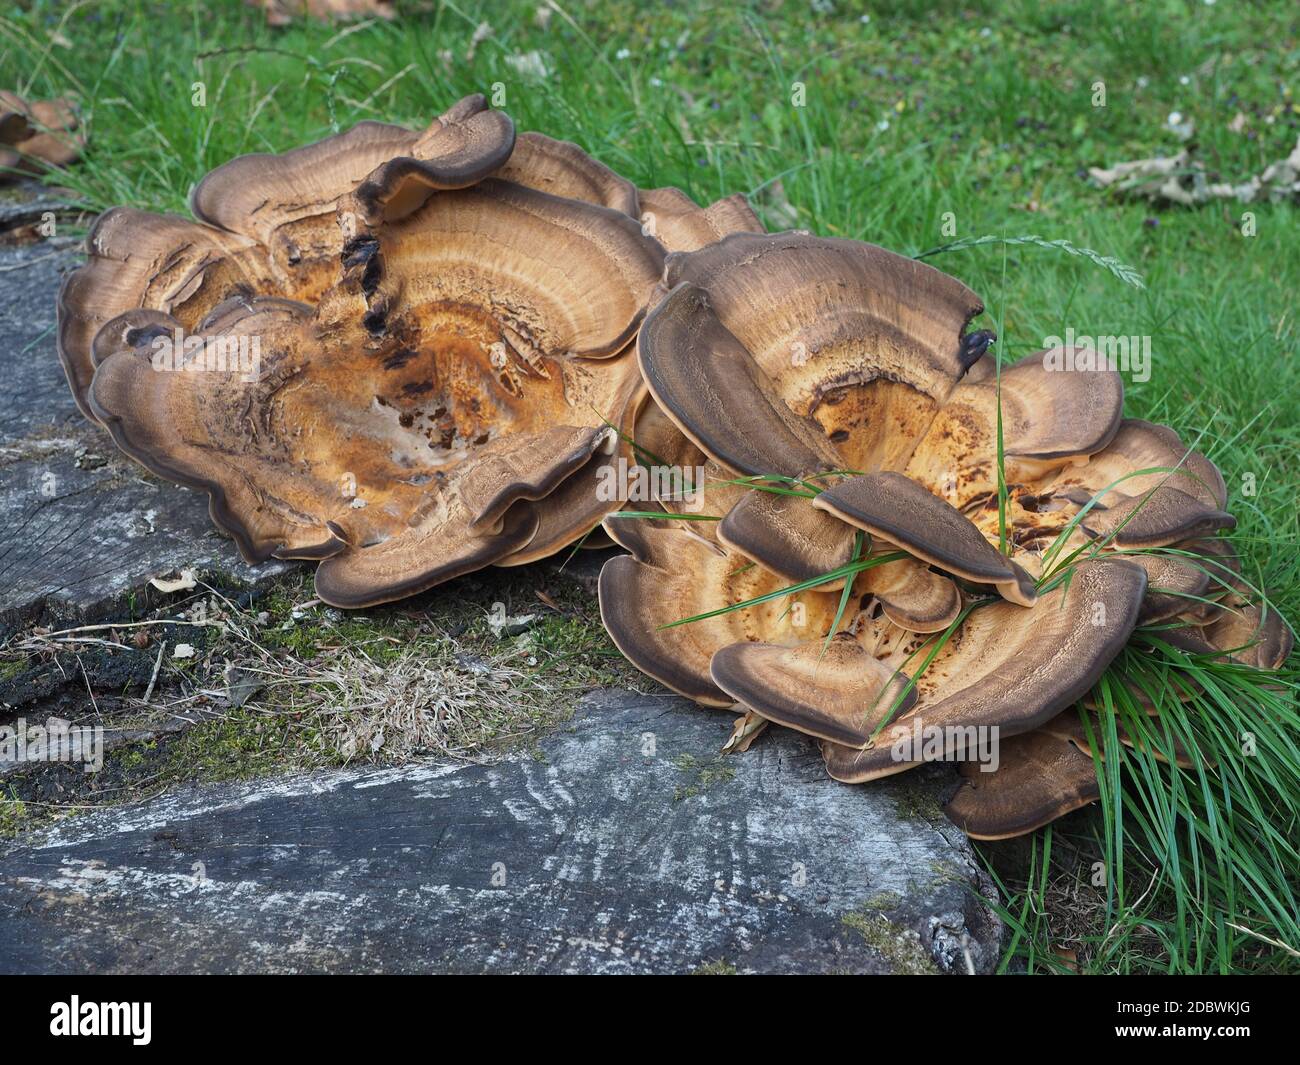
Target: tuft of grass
<point>860,540</point>
<point>430,698</point>
<point>15,815</point>
<point>1181,869</point>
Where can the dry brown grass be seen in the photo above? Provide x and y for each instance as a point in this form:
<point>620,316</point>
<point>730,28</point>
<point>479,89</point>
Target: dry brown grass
<point>432,698</point>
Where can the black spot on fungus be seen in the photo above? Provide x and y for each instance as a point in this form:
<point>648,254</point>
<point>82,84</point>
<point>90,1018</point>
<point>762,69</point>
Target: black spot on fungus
<point>974,345</point>
<point>399,358</point>
<point>145,335</point>
<point>375,321</point>
<point>364,252</point>
<point>359,250</point>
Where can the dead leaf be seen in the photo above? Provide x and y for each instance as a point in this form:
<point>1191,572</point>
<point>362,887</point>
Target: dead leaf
<point>744,732</point>
<point>1181,179</point>
<point>180,583</point>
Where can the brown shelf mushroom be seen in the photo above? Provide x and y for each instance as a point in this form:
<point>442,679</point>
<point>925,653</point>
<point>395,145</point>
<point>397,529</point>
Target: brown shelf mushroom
<point>1042,775</point>
<point>672,573</point>
<point>437,352</point>
<point>785,329</point>
<point>1009,668</point>
<point>1147,497</point>
<point>679,224</point>
<point>563,169</point>
<point>37,134</point>
<point>791,356</point>
<point>900,512</point>
<point>845,384</point>
<point>1251,634</point>
<point>1146,488</point>
<point>1006,665</point>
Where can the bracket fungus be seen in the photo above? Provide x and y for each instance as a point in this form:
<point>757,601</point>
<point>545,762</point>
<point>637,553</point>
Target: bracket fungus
<point>412,356</point>
<point>1041,776</point>
<point>35,134</point>
<point>858,583</point>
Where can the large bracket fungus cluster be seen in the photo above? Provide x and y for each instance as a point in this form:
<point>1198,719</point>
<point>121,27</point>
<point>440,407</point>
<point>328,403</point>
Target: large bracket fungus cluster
<point>441,339</point>
<point>847,417</point>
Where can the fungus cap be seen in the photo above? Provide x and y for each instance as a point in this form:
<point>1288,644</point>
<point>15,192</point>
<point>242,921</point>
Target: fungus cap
<point>1042,775</point>
<point>424,397</point>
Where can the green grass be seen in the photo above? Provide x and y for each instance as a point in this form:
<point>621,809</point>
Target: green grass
<point>978,115</point>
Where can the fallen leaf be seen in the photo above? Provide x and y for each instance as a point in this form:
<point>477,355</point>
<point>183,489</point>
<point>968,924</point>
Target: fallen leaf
<point>180,583</point>
<point>1182,180</point>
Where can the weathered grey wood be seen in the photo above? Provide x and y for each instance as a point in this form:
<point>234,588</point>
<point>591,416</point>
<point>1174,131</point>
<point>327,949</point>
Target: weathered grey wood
<point>27,205</point>
<point>608,851</point>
